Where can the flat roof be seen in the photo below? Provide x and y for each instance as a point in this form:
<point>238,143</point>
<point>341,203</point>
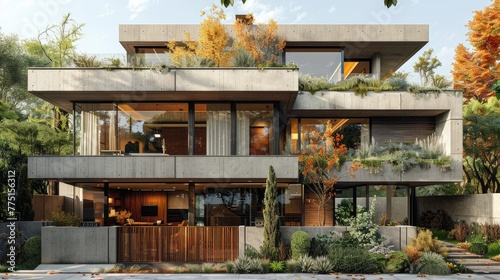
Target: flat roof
<point>396,43</point>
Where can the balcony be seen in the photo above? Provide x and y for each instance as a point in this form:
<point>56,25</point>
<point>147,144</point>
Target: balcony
<point>62,86</point>
<point>162,168</point>
<point>415,176</point>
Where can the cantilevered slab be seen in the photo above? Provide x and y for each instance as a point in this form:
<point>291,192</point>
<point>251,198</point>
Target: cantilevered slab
<point>395,43</point>
<point>162,168</point>
<point>62,86</point>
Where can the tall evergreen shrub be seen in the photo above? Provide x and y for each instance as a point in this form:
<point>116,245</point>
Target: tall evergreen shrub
<point>272,236</point>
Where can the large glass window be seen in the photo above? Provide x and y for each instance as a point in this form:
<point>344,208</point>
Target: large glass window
<point>213,129</point>
<point>254,129</point>
<point>232,205</point>
<point>317,62</point>
<point>355,131</point>
<point>153,128</point>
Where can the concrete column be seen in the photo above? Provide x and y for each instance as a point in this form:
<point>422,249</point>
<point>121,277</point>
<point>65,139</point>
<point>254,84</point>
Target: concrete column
<point>106,204</point>
<point>241,241</point>
<point>376,62</point>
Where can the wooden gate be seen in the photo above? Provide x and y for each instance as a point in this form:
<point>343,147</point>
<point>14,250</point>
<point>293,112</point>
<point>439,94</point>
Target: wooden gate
<point>177,244</point>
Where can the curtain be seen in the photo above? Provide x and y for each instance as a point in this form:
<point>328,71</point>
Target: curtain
<point>89,134</point>
<point>218,133</point>
<point>243,133</point>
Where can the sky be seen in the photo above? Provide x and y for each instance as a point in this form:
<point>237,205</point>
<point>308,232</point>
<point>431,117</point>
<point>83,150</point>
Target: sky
<point>447,19</point>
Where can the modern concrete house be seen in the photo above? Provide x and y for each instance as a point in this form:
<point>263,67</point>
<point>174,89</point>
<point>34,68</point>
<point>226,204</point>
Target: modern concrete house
<point>195,144</point>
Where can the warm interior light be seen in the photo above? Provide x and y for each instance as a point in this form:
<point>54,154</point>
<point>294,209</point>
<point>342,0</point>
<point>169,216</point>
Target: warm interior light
<point>110,200</point>
<point>295,136</point>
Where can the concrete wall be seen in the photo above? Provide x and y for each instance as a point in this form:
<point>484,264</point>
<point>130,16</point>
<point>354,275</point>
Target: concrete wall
<point>399,236</point>
<point>445,106</point>
<point>79,245</point>
<point>416,175</point>
<point>480,208</point>
<point>162,167</point>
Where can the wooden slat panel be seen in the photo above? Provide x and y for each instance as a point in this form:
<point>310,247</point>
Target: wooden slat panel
<point>177,244</point>
<point>402,129</point>
<point>311,210</point>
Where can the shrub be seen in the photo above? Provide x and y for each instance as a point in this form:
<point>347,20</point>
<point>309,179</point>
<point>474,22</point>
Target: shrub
<point>436,220</point>
<point>460,232</point>
<point>433,263</point>
<point>305,263</point>
<point>479,248</point>
<point>292,266</point>
<point>251,252</point>
<point>312,84</point>
<point>364,229</point>
<point>353,260</point>
<point>247,265</point>
<point>320,245</point>
<point>492,232</point>
<point>62,219</point>
<point>322,265</point>
<point>284,251</point>
<point>458,267</point>
<point>31,253</point>
<point>276,267</point>
<point>424,243</point>
<point>440,234</point>
<point>300,244</point>
<point>494,249</point>
<point>396,262</point>
<point>464,245</point>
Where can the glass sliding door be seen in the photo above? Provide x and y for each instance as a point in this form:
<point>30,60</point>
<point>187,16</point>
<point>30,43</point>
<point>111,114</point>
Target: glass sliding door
<point>254,129</point>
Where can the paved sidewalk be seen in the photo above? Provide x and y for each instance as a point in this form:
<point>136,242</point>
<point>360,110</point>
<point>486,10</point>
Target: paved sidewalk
<point>226,276</point>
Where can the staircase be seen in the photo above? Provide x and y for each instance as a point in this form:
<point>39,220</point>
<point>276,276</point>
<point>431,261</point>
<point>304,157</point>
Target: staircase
<point>476,263</point>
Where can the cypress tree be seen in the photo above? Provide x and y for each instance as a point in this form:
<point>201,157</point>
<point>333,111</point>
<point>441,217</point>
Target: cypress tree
<point>272,236</point>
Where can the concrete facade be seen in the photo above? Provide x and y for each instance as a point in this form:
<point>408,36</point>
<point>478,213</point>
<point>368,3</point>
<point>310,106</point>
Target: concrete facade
<point>79,245</point>
<point>479,208</point>
<point>160,168</point>
<point>413,177</point>
<point>62,86</point>
<point>393,44</point>
<point>446,107</point>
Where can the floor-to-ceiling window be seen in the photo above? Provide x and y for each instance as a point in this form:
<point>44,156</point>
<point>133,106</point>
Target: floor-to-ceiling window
<point>317,62</point>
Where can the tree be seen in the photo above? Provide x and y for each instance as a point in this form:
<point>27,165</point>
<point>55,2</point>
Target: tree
<point>316,166</point>
<point>57,44</point>
<point>13,75</point>
<point>475,71</point>
<point>272,236</point>
<point>425,66</point>
<point>482,144</point>
<point>226,3</point>
<point>261,41</point>
<point>211,45</point>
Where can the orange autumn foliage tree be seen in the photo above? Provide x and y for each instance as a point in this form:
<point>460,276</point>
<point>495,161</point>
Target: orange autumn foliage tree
<point>475,71</point>
<point>261,41</point>
<point>316,164</point>
<point>211,45</point>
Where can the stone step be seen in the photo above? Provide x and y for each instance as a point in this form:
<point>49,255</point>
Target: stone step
<point>479,262</point>
<point>467,255</point>
<point>484,269</point>
<point>455,249</point>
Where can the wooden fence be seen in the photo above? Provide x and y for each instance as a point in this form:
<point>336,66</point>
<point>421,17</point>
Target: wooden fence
<point>177,244</point>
